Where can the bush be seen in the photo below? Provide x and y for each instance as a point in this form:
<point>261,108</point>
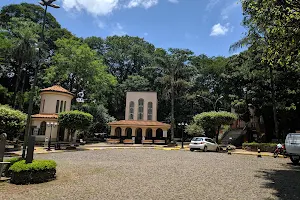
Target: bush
<point>38,171</point>
<point>11,121</point>
<point>253,146</point>
<point>11,162</point>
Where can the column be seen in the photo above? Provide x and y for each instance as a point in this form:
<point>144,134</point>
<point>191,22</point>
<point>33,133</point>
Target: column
<point>123,131</point>
<point>112,131</point>
<point>154,132</point>
<point>133,131</point>
<point>144,132</point>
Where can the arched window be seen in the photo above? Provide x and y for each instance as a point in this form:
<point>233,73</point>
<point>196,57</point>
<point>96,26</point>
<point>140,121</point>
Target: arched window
<point>61,106</point>
<point>57,106</point>
<point>43,105</point>
<point>141,109</point>
<point>42,128</point>
<point>131,110</point>
<point>150,110</point>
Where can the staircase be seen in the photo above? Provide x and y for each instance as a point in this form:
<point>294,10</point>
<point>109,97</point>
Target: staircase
<point>234,137</point>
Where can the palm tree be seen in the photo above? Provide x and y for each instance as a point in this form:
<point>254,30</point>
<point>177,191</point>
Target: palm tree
<point>176,70</point>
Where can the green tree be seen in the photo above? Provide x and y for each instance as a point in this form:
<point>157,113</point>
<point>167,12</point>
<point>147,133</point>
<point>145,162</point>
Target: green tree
<point>125,55</point>
<point>76,67</point>
<point>100,120</point>
<point>211,122</point>
<point>25,41</point>
<point>74,120</point>
<point>176,71</point>
<point>12,122</point>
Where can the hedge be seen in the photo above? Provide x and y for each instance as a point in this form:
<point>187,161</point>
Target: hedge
<point>38,171</point>
<point>267,147</point>
<point>11,162</point>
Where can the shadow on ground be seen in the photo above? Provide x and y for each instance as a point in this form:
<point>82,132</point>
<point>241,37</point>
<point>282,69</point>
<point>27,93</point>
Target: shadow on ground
<point>286,182</point>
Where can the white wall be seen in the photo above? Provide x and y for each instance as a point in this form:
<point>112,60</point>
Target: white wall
<point>148,97</point>
<point>50,101</point>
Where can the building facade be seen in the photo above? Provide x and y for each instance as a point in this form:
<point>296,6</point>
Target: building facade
<point>140,124</point>
<point>54,100</point>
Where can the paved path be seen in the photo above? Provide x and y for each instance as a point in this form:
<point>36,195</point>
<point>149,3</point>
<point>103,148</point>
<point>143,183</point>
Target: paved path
<point>156,174</point>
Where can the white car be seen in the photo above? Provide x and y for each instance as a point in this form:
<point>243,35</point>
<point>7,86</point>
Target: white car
<point>203,143</point>
<point>292,146</point>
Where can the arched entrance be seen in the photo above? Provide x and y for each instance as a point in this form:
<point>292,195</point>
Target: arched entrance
<point>128,132</point>
<point>118,132</point>
<point>138,136</point>
<point>159,134</point>
<point>149,134</point>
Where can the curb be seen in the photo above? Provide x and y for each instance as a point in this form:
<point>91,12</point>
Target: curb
<point>251,154</point>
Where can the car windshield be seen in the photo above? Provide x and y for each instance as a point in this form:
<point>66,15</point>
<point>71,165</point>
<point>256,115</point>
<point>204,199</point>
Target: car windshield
<point>197,139</point>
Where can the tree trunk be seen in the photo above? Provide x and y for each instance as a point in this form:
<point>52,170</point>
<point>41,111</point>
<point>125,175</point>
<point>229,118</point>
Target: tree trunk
<point>17,85</point>
<point>21,103</point>
<point>274,103</point>
<point>172,108</point>
<point>217,135</point>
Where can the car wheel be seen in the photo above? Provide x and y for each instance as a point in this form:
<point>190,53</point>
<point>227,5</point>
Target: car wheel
<point>295,160</point>
<point>192,149</point>
<point>205,149</point>
<point>217,149</point>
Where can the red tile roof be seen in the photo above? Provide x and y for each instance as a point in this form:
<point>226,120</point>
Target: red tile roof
<point>49,116</point>
<point>57,88</point>
<point>141,123</point>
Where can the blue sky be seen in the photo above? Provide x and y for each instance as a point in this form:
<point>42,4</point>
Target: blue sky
<point>204,26</point>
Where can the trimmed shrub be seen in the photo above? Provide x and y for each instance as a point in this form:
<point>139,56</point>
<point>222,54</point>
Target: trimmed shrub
<point>75,120</point>
<point>253,146</point>
<point>11,161</point>
<point>38,171</point>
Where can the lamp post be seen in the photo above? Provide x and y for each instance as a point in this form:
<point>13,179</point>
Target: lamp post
<point>214,104</point>
<point>51,125</point>
<point>45,3</point>
<point>183,125</point>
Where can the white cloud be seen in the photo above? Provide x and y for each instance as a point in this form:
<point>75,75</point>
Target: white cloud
<point>218,29</point>
<point>174,1</point>
<point>118,29</point>
<point>211,4</point>
<point>95,7</point>
<point>105,7</point>
<point>227,10</point>
<point>146,34</point>
<point>141,3</point>
<point>101,24</point>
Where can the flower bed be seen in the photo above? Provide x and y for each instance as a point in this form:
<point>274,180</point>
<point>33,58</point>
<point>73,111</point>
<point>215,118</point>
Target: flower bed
<point>267,147</point>
<point>38,171</point>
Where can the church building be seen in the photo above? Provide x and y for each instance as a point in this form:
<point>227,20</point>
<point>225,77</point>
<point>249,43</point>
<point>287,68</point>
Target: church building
<point>140,125</point>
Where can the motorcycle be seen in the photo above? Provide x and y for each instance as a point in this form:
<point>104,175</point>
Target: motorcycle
<point>280,151</point>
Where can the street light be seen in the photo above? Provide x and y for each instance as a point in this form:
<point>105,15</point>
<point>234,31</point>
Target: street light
<point>183,125</point>
<point>30,106</point>
<point>51,125</point>
<point>214,104</point>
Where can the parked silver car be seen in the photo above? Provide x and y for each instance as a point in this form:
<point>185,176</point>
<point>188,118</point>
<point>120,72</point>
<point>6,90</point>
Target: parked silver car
<point>203,143</point>
<point>292,145</point>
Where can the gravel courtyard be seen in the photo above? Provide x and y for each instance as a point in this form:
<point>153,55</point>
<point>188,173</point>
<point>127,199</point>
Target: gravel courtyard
<point>158,174</point>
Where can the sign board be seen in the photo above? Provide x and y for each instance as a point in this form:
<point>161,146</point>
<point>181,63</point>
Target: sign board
<point>35,131</point>
<point>165,133</point>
